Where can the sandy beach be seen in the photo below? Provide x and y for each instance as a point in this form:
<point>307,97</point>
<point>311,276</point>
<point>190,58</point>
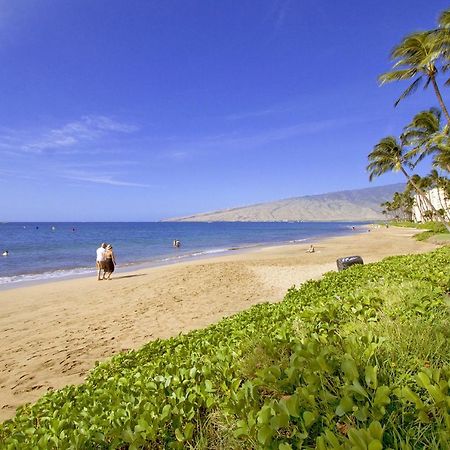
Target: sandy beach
<point>52,334</point>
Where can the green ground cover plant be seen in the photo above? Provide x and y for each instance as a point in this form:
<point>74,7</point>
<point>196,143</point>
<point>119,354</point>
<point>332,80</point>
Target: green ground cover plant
<point>433,229</point>
<point>357,360</point>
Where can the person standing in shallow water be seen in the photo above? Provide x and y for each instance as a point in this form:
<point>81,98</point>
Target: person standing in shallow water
<point>101,261</point>
<point>110,262</point>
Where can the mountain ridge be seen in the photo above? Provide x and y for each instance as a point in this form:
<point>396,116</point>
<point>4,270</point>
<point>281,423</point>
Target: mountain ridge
<point>346,205</point>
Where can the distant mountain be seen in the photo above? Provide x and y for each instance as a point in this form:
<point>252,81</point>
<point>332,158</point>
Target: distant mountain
<point>357,205</point>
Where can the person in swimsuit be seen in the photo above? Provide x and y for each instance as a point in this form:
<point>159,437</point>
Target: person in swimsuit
<point>110,262</point>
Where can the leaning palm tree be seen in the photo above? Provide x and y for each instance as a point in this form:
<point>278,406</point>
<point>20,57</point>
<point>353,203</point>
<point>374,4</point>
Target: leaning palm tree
<point>442,159</point>
<point>442,38</point>
<point>440,183</point>
<point>425,136</point>
<point>420,133</point>
<point>416,200</point>
<point>417,58</point>
<point>388,156</point>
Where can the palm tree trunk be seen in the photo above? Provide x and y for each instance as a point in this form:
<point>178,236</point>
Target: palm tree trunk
<point>443,202</point>
<point>422,209</point>
<point>427,200</point>
<point>440,198</point>
<point>440,99</point>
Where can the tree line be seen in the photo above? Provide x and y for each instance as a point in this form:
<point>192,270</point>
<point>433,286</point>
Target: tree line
<point>420,57</point>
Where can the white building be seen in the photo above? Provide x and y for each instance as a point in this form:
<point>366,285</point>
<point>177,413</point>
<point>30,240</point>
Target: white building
<point>421,207</point>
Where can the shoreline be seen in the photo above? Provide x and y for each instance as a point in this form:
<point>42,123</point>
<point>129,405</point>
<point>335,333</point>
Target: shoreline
<point>53,333</point>
<point>35,279</point>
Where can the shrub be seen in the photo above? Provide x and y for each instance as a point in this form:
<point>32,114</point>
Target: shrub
<point>356,360</point>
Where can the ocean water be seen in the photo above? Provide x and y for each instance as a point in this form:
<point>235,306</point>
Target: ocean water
<point>41,251</point>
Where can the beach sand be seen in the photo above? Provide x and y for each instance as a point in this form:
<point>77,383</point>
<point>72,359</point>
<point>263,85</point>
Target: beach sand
<point>52,334</point>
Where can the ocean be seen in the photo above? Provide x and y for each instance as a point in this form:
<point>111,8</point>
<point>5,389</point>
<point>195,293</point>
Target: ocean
<point>45,251</point>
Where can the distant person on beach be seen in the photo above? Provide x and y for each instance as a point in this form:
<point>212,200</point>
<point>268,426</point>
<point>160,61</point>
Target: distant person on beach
<point>110,262</point>
<point>176,243</point>
<point>311,249</point>
<point>101,261</point>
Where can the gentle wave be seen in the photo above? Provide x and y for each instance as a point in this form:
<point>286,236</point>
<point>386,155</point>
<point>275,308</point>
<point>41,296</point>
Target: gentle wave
<point>84,271</point>
<point>56,274</point>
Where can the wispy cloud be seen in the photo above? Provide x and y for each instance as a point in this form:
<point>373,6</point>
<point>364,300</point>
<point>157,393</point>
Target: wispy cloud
<point>67,138</point>
<point>102,179</point>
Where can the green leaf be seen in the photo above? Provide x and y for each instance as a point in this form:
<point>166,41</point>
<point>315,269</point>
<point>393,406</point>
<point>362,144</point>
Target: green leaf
<point>382,396</point>
<point>209,402</point>
<point>356,437</point>
<point>242,430</point>
<point>265,434</point>
<point>371,376</point>
<point>188,431</point>
<point>375,445</point>
<point>293,405</point>
<point>423,417</point>
<point>265,414</point>
<point>358,389</point>
<point>179,435</point>
<point>332,439</point>
<point>423,379</point>
<point>165,412</point>
<point>435,392</point>
<point>284,446</point>
<point>209,386</point>
<point>411,396</point>
<point>309,418</point>
<point>279,421</point>
<point>350,370</point>
<point>362,413</point>
<point>345,405</point>
<point>376,430</point>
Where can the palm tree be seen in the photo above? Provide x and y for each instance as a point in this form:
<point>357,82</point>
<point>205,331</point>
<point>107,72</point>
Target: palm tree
<point>420,133</point>
<point>417,200</point>
<point>417,57</point>
<point>425,136</point>
<point>442,36</point>
<point>389,155</point>
<point>439,183</point>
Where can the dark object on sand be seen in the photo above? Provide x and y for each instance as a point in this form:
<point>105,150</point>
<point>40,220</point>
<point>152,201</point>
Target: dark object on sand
<point>345,263</point>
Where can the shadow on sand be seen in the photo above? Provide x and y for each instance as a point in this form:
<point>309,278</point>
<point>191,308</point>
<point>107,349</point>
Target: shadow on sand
<point>129,276</point>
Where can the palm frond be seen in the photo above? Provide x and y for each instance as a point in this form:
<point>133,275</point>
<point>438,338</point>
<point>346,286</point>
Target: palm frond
<point>412,88</point>
<point>397,75</point>
<point>386,156</point>
<point>445,67</point>
<point>444,19</point>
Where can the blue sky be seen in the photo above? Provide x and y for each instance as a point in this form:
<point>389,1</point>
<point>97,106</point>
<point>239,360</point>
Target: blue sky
<point>141,110</point>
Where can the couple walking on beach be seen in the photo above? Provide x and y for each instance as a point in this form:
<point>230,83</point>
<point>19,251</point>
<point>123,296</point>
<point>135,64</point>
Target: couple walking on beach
<point>106,261</point>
